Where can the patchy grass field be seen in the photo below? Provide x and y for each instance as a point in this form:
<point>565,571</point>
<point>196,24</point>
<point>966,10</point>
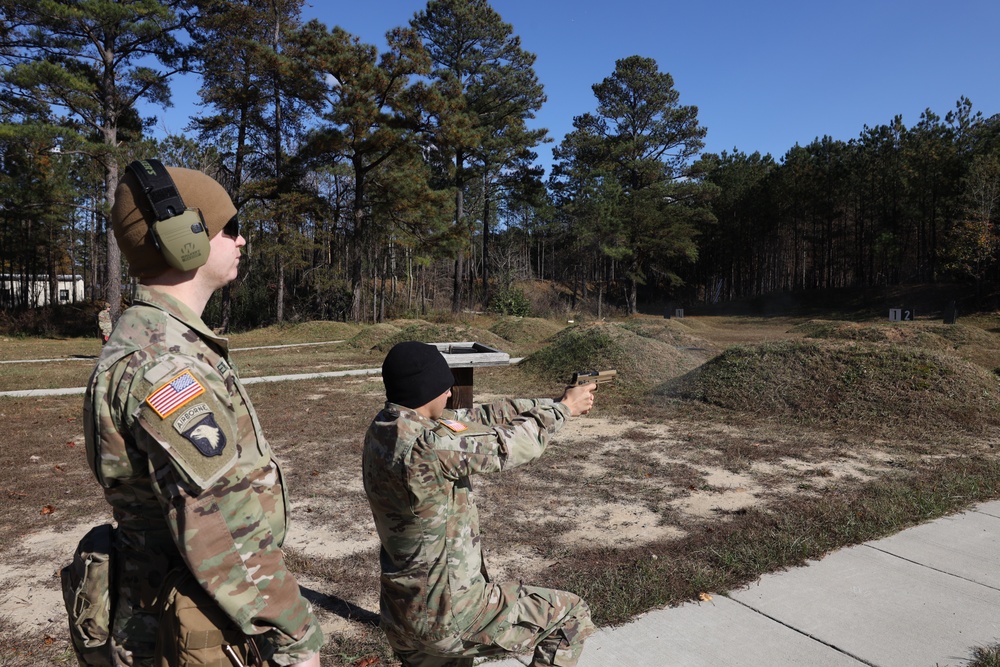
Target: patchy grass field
<point>729,447</point>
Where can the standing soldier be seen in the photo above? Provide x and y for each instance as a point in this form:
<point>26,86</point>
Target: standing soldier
<point>438,606</point>
<point>104,324</point>
<point>199,577</point>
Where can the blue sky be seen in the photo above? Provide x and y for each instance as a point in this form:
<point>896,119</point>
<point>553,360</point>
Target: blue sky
<point>764,75</point>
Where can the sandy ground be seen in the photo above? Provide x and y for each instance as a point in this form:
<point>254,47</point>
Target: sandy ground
<point>29,578</point>
<point>591,486</point>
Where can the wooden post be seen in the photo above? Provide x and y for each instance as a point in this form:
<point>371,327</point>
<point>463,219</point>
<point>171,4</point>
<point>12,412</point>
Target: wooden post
<point>461,392</point>
<point>463,358</point>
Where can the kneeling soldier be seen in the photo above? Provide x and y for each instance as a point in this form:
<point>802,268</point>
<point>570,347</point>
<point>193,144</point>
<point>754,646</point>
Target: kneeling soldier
<point>438,606</point>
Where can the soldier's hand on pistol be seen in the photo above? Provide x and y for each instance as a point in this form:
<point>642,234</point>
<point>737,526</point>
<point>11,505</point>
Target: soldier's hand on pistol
<point>579,400</point>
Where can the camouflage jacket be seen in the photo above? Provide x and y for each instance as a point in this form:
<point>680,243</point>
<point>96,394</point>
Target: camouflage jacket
<point>174,441</point>
<point>416,477</point>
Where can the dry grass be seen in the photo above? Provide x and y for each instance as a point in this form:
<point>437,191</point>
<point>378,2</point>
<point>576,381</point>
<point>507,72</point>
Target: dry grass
<point>986,656</point>
<point>50,375</point>
<point>641,358</point>
<point>875,385</point>
<point>19,347</point>
<point>285,334</point>
<point>525,332</point>
<point>428,332</point>
<point>968,341</point>
<point>669,488</point>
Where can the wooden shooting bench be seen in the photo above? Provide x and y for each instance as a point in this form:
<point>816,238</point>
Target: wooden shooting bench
<point>463,360</point>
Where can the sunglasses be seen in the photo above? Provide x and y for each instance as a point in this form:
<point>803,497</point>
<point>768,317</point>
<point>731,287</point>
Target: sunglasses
<point>232,228</point>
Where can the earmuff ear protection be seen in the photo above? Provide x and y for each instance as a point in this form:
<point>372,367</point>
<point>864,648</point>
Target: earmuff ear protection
<point>179,232</point>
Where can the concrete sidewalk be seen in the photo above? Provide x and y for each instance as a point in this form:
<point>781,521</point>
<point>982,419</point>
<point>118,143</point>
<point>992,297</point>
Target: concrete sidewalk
<point>924,597</point>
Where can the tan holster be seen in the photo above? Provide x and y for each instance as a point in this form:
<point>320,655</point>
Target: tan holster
<point>195,632</point>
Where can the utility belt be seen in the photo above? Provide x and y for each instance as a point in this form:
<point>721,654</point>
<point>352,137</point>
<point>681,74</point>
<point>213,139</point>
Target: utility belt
<point>192,630</point>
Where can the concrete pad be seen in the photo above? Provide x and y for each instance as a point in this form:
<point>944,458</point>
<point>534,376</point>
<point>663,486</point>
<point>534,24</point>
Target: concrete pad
<point>993,508</point>
<point>720,633</point>
<point>966,545</point>
<point>884,610</point>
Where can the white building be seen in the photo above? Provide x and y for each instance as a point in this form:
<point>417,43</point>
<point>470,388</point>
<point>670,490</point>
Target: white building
<point>69,290</point>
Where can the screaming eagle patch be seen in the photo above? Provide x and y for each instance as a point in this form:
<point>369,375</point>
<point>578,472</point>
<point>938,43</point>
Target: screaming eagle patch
<point>206,436</point>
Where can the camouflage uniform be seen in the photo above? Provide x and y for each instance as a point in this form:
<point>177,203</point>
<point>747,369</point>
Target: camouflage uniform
<point>173,439</point>
<point>438,605</point>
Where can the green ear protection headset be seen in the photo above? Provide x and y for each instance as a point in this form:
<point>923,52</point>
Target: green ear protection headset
<point>179,233</point>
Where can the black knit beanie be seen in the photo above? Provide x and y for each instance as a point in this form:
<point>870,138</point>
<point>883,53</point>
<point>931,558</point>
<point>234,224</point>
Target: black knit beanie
<point>414,374</point>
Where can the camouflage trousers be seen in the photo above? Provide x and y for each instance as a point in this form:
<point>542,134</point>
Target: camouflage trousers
<point>517,619</point>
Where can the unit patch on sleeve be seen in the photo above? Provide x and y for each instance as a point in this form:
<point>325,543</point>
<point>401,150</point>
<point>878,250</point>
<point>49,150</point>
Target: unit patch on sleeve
<point>198,425</point>
<point>176,393</point>
<point>207,437</point>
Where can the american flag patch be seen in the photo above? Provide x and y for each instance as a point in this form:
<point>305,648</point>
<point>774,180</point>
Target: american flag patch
<point>174,394</point>
<point>455,426</point>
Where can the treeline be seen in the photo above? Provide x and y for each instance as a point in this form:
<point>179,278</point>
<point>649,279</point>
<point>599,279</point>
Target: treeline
<point>895,205</point>
<point>377,184</point>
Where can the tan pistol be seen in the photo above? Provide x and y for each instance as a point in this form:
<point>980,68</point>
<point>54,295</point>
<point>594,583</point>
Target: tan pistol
<point>592,377</point>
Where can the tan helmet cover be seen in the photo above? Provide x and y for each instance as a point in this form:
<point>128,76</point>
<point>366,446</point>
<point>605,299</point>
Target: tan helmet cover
<point>131,216</point>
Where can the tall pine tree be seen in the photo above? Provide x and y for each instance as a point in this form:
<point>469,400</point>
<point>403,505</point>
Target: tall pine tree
<point>643,138</point>
<point>257,92</point>
<point>373,114</point>
<point>479,60</point>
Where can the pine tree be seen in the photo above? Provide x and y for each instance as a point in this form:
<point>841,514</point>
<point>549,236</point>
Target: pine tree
<point>258,93</point>
<point>641,137</point>
<point>372,116</point>
<point>91,62</point>
<point>490,79</point>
